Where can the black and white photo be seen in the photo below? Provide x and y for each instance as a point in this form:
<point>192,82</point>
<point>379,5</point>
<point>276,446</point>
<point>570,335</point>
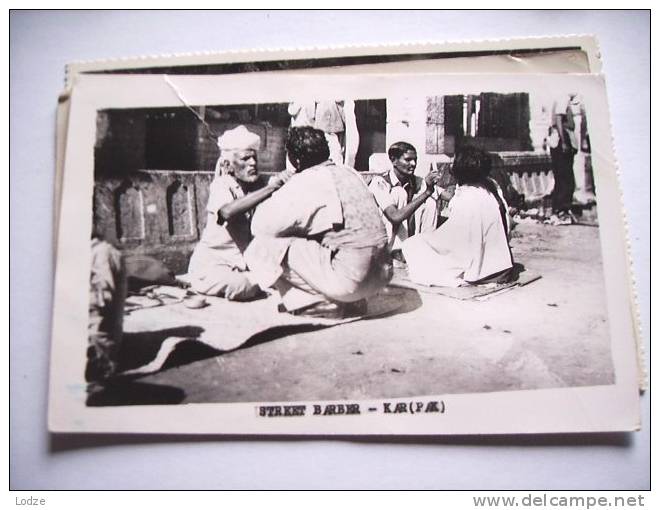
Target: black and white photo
<point>265,247</point>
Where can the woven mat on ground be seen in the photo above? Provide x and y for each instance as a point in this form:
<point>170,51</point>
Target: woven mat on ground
<point>151,334</point>
<point>473,292</point>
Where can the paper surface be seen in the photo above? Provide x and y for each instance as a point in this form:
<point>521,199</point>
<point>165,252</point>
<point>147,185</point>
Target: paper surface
<point>602,407</point>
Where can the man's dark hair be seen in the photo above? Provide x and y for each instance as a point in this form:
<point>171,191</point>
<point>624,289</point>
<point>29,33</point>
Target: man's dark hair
<point>471,165</point>
<point>307,147</point>
<point>398,149</point>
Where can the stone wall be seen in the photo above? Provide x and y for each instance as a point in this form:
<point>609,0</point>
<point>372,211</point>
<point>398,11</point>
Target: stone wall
<point>162,213</point>
<point>159,213</point>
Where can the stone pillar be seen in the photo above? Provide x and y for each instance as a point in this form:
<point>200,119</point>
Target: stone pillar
<point>435,125</point>
<point>352,136</point>
<point>406,122</point>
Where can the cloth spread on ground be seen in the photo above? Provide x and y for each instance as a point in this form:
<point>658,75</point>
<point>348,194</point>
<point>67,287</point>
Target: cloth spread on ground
<point>227,325</point>
<point>154,295</point>
<point>467,292</point>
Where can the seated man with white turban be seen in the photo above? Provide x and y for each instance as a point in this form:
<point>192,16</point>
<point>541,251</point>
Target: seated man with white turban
<point>319,240</point>
<point>217,267</point>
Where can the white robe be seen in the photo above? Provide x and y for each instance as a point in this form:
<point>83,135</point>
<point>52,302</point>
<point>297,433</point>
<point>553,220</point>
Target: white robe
<point>320,237</point>
<point>471,245</point>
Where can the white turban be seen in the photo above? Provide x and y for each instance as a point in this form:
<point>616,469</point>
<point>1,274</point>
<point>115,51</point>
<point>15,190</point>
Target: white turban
<point>238,139</point>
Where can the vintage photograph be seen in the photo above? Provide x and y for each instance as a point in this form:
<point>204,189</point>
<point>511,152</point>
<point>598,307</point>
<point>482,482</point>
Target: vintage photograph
<point>469,195</point>
<point>386,247</point>
<point>276,249</point>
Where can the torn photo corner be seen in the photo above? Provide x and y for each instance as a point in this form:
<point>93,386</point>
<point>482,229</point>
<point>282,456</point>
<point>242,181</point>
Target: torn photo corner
<point>174,313</point>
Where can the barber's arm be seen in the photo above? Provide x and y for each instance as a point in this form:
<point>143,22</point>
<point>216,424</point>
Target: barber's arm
<point>250,201</point>
<point>241,205</point>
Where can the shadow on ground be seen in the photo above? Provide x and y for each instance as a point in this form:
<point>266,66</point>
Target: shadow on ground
<point>128,392</point>
<point>516,270</point>
<point>278,332</point>
<point>407,300</point>
<point>138,349</point>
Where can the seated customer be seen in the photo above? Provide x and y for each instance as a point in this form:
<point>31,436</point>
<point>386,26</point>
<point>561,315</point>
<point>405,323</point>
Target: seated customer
<point>472,246</point>
<point>217,267</point>
<point>319,240</point>
<point>403,197</point>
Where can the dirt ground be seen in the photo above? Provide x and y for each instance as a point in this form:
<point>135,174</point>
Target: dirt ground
<point>550,333</point>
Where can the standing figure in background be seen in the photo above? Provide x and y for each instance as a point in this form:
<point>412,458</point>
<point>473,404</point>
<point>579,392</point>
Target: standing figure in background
<point>563,147</point>
<point>319,240</point>
<point>404,198</point>
<point>584,192</point>
<point>330,119</point>
<point>302,113</point>
<point>217,267</point>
